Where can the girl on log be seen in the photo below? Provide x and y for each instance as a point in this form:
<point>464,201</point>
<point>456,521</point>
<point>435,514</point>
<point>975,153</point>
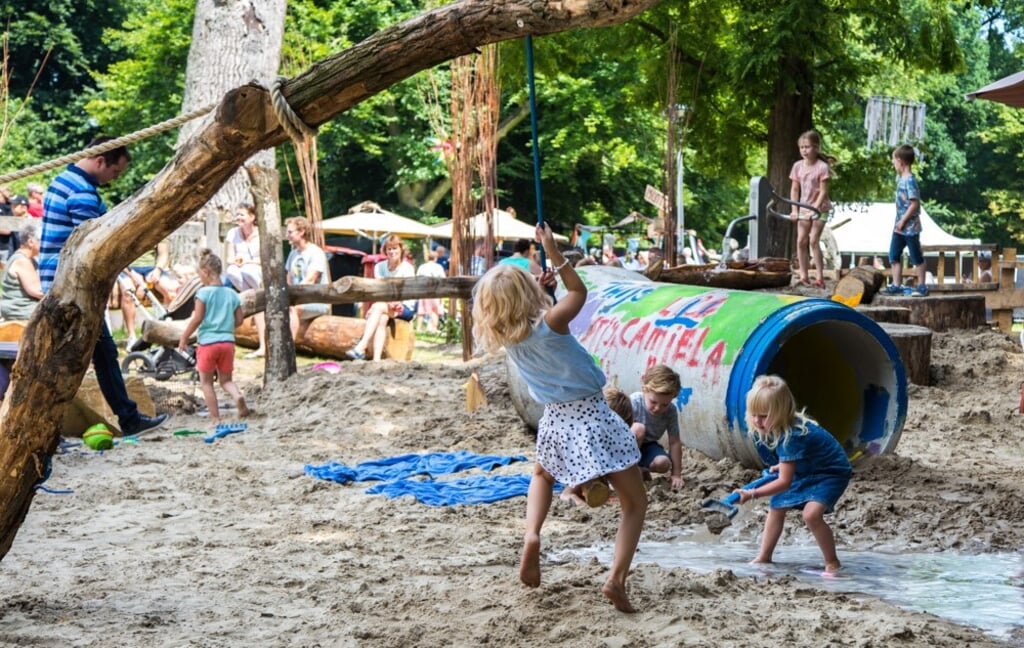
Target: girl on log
<point>579,438</point>
<point>812,467</point>
<point>809,184</point>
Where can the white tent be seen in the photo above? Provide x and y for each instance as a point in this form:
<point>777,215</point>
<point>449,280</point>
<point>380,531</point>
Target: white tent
<point>506,226</point>
<point>869,229</point>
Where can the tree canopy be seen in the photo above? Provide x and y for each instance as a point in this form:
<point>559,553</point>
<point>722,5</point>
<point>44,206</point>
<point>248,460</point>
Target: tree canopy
<point>750,75</point>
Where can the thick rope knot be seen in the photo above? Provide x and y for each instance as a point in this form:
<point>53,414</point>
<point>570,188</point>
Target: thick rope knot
<point>293,125</point>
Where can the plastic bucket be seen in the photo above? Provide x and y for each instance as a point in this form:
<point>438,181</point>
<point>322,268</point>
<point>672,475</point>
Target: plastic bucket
<point>841,366</point>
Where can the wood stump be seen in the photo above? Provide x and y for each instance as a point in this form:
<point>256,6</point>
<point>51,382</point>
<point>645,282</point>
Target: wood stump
<point>890,314</point>
<point>859,286</point>
<point>915,346</point>
<point>940,312</point>
<point>401,340</point>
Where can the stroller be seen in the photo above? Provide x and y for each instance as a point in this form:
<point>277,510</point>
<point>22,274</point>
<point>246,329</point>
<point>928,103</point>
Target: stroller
<point>164,362</point>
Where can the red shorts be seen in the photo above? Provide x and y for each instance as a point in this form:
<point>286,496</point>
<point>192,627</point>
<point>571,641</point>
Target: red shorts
<point>219,356</point>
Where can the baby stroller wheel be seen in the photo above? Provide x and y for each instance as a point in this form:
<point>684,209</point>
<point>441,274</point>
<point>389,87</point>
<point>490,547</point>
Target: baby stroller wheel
<point>138,363</point>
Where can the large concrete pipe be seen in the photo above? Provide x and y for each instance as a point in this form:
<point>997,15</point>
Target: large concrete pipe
<point>840,365</point>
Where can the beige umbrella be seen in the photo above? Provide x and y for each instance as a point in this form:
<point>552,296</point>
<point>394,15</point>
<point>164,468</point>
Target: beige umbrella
<point>506,226</point>
<point>1008,90</point>
<point>376,223</point>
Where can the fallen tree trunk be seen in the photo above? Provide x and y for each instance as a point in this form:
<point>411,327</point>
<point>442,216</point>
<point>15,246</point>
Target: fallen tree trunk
<point>57,345</point>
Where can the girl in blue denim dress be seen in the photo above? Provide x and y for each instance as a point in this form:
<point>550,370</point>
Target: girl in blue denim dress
<point>813,471</point>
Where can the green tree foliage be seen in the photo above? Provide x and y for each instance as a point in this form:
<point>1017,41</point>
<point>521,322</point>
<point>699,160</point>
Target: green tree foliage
<point>601,102</point>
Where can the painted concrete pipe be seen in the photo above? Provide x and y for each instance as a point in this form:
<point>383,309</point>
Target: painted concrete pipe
<point>841,366</point>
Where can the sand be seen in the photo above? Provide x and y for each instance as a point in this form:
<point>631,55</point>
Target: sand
<point>177,542</point>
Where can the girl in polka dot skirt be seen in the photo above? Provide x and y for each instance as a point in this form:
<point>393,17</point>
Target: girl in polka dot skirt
<point>579,438</point>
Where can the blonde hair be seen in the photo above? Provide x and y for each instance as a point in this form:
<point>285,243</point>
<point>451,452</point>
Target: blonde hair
<point>301,225</point>
<point>507,303</point>
<point>770,396</point>
<point>393,239</point>
<point>661,379</point>
<point>210,262</point>
<point>619,403</point>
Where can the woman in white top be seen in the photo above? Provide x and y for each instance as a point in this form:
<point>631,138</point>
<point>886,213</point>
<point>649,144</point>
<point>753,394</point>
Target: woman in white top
<point>306,264</point>
<point>244,271</point>
<point>379,313</point>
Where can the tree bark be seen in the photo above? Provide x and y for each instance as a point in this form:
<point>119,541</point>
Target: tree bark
<point>279,345</point>
<point>57,346</point>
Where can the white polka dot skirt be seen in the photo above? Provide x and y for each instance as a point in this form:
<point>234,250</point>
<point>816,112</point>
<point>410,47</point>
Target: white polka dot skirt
<point>583,439</point>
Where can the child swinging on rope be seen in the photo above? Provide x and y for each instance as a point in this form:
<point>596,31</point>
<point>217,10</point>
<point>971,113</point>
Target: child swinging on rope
<point>579,438</point>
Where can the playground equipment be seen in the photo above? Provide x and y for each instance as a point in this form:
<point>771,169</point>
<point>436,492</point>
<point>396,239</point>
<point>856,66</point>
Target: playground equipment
<point>840,365</point>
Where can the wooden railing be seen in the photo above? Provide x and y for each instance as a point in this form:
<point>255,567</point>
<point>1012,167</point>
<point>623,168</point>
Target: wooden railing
<point>1001,294</point>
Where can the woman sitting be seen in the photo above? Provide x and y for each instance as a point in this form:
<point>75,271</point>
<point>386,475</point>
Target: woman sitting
<point>243,268</point>
<point>20,282</point>
<point>379,313</point>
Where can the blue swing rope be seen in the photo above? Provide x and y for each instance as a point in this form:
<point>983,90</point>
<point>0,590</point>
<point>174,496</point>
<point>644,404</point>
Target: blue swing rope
<point>536,145</point>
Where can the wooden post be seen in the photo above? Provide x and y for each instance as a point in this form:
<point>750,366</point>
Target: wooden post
<point>280,359</point>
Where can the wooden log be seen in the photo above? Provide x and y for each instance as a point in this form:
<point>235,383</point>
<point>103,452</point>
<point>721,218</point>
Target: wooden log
<point>915,346</point>
<point>328,336</point>
<point>941,312</point>
<point>859,286</point>
<point>887,314</point>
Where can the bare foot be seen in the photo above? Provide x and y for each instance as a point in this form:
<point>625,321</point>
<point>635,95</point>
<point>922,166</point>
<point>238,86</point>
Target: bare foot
<point>617,595</point>
<point>761,561</point>
<point>832,567</point>
<point>529,564</point>
<point>243,409</point>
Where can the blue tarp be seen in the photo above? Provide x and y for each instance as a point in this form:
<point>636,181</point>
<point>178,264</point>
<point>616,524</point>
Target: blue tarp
<point>408,465</point>
<point>398,472</point>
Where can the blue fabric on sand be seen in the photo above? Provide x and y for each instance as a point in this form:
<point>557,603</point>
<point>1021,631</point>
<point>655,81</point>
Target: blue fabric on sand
<point>396,473</point>
<point>408,465</point>
<point>482,489</point>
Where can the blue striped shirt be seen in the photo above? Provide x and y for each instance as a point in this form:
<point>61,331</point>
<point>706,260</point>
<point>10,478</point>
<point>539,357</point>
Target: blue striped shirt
<point>71,199</point>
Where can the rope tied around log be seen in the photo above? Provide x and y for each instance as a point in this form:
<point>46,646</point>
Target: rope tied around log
<point>303,138</point>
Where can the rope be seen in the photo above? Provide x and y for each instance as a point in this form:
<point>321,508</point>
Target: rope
<point>303,138</point>
<point>292,123</point>
<point>107,146</point>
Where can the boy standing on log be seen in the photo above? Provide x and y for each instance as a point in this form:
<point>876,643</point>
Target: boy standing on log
<point>72,199</point>
<point>907,232</point>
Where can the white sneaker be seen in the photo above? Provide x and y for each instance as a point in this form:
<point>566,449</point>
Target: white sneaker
<point>130,342</point>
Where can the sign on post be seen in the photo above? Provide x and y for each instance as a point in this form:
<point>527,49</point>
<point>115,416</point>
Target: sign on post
<point>656,198</point>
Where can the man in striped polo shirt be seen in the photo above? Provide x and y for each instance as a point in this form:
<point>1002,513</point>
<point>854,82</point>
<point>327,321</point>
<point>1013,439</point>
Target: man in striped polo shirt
<point>72,199</point>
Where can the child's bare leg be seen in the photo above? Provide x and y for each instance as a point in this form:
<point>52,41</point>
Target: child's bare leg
<point>209,395</point>
<point>538,502</point>
<point>814,517</point>
<point>773,524</point>
<point>803,232</point>
<point>232,389</point>
<point>815,245</point>
<point>629,487</point>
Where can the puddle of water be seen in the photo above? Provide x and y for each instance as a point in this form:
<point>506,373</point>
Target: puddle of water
<point>981,590</point>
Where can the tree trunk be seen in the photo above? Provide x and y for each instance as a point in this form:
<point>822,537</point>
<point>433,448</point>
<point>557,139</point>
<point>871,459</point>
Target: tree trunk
<point>790,116</point>
<point>233,42</point>
<point>57,346</point>
<point>280,348</point>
